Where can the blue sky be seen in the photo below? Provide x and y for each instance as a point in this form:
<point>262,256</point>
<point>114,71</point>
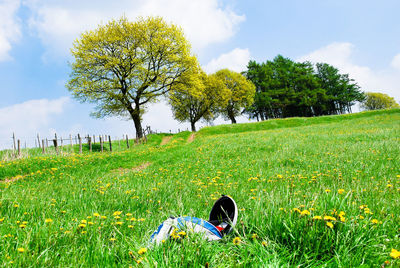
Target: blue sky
<point>361,38</point>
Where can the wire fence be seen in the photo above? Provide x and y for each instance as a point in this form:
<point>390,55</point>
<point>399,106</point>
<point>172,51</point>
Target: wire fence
<point>22,147</point>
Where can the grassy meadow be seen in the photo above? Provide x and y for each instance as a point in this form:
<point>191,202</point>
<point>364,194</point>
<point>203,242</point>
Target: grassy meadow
<point>311,192</point>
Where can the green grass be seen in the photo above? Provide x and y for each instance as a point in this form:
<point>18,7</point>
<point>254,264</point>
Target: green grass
<point>274,170</point>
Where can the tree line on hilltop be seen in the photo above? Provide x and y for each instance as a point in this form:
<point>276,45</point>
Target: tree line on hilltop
<point>124,66</point>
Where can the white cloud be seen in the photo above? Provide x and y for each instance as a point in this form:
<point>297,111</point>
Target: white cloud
<point>385,80</point>
<point>396,62</point>
<point>235,60</point>
<point>28,118</point>
<point>59,23</point>
<point>10,31</point>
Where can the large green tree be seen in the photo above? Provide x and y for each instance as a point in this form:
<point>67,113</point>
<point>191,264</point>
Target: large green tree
<point>284,88</point>
<point>376,101</point>
<point>341,92</point>
<point>199,97</point>
<point>122,66</point>
<point>241,93</point>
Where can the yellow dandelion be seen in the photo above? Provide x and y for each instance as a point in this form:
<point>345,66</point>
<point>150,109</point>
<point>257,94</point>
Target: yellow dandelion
<point>21,250</point>
<point>236,241</point>
<point>82,225</point>
<point>395,254</point>
<point>340,191</point>
<point>130,226</point>
<point>317,218</point>
<point>112,239</point>
<point>327,190</point>
<point>305,212</point>
<point>329,218</point>
<point>119,223</point>
<point>254,236</point>
<point>264,243</point>
<point>117,213</point>
<point>375,221</point>
<point>142,251</point>
<point>48,220</point>
<point>96,214</point>
<point>182,233</point>
<point>329,224</point>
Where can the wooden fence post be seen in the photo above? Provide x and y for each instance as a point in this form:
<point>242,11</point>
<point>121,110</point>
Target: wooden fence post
<point>109,140</point>
<point>43,148</point>
<point>101,143</point>
<point>90,143</point>
<point>127,141</point>
<point>38,139</point>
<point>80,143</point>
<point>70,141</point>
<point>19,147</point>
<point>55,145</point>
<point>15,147</point>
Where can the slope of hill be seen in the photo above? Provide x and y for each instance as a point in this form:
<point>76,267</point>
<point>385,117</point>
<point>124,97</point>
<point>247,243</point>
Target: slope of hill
<point>311,192</point>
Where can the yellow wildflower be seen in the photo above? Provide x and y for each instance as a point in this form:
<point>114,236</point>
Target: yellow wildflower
<point>375,221</point>
<point>48,220</point>
<point>182,233</point>
<point>395,254</point>
<point>305,212</point>
<point>142,251</point>
<point>340,191</point>
<point>96,214</point>
<point>236,241</point>
<point>329,224</point>
<point>317,218</point>
<point>20,250</point>
<point>117,213</point>
<point>329,218</point>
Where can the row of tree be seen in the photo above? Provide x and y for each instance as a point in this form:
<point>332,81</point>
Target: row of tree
<point>285,88</point>
<point>124,66</point>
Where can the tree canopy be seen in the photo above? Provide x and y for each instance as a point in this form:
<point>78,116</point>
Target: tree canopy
<point>285,88</point>
<point>241,93</point>
<point>198,98</point>
<point>376,101</point>
<point>123,66</point>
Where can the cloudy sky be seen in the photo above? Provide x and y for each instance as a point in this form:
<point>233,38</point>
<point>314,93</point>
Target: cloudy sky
<point>361,38</point>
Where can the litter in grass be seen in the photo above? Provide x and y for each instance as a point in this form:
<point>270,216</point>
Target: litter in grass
<point>222,220</point>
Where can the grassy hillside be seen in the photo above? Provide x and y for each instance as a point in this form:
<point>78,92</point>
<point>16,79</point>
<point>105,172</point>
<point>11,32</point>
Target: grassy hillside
<point>100,209</point>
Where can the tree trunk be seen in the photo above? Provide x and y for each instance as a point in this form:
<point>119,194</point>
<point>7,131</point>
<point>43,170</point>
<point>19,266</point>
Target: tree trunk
<point>233,120</point>
<point>192,124</point>
<point>138,125</point>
